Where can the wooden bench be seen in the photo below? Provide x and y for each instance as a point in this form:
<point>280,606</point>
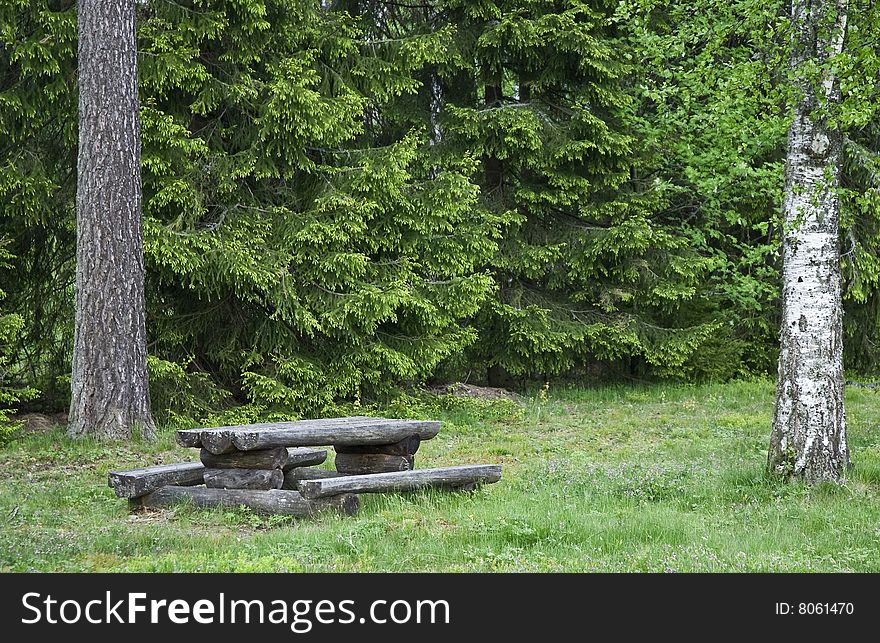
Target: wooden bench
<point>268,466</point>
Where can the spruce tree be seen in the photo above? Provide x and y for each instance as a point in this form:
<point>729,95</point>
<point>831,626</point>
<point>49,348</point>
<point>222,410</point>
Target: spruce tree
<point>12,390</point>
<point>38,131</point>
<point>282,200</point>
<point>584,271</point>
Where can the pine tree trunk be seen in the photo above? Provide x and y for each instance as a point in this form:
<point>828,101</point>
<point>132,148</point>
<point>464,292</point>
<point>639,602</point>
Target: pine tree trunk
<point>492,168</point>
<point>809,427</point>
<point>109,391</point>
<point>493,178</point>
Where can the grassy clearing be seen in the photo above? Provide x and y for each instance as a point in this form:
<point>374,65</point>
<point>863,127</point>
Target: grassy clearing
<point>659,478</point>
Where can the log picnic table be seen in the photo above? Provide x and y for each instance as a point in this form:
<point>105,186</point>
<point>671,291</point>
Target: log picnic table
<point>271,467</point>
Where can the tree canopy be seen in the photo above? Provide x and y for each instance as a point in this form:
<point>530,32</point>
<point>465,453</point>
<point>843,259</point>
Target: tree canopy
<point>343,197</point>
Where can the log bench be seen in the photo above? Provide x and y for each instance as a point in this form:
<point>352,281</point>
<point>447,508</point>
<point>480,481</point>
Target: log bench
<point>270,467</point>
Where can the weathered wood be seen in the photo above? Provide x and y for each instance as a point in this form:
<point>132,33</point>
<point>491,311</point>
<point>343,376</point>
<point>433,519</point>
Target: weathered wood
<point>297,457</point>
<point>217,442</point>
<point>243,478</point>
<point>293,476</point>
<point>363,463</point>
<point>408,446</point>
<point>276,501</point>
<point>189,438</point>
<point>377,431</point>
<point>402,480</point>
<point>138,482</point>
<point>193,437</point>
<point>263,459</point>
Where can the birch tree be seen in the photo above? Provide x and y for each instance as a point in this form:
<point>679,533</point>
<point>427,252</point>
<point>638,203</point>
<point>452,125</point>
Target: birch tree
<point>109,389</point>
<point>809,428</point>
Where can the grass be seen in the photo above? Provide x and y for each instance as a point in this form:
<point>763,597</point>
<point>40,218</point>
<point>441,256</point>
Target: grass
<point>646,479</point>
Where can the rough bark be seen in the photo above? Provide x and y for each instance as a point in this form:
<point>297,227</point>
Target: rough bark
<point>193,437</point>
<point>137,482</point>
<point>363,463</point>
<point>364,432</point>
<point>293,476</point>
<point>276,501</point>
<point>264,479</point>
<point>297,457</point>
<point>265,459</point>
<point>809,427</point>
<point>444,477</point>
<point>110,396</point>
<point>407,446</point>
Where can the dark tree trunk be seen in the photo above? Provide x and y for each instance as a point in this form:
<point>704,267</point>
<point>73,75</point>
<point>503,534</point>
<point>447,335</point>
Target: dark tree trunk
<point>493,188</point>
<point>109,392</point>
<point>492,167</point>
<point>525,91</point>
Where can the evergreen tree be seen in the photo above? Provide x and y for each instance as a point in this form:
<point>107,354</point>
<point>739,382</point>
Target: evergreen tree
<point>585,271</point>
<point>38,130</point>
<point>343,196</point>
<point>337,259</point>
<point>11,391</point>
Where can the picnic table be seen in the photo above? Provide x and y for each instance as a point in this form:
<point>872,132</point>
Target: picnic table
<point>272,467</point>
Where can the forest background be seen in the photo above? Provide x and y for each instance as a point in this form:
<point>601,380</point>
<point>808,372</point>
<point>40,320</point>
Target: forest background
<point>349,200</point>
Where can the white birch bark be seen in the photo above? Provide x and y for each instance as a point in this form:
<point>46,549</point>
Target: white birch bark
<point>809,427</point>
<point>436,107</point>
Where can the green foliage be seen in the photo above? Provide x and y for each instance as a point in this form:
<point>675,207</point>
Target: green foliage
<point>858,68</point>
<point>181,395</point>
<point>715,104</point>
<point>713,113</point>
<point>37,183</point>
<point>335,263</point>
<point>586,271</point>
<point>342,200</point>
<point>11,392</point>
<point>335,260</point>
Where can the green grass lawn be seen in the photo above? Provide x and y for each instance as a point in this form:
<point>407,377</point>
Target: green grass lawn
<point>653,479</point>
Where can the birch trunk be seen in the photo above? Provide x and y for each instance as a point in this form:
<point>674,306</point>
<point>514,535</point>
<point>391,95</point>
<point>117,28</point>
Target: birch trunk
<point>109,392</point>
<point>435,107</point>
<point>809,427</point>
